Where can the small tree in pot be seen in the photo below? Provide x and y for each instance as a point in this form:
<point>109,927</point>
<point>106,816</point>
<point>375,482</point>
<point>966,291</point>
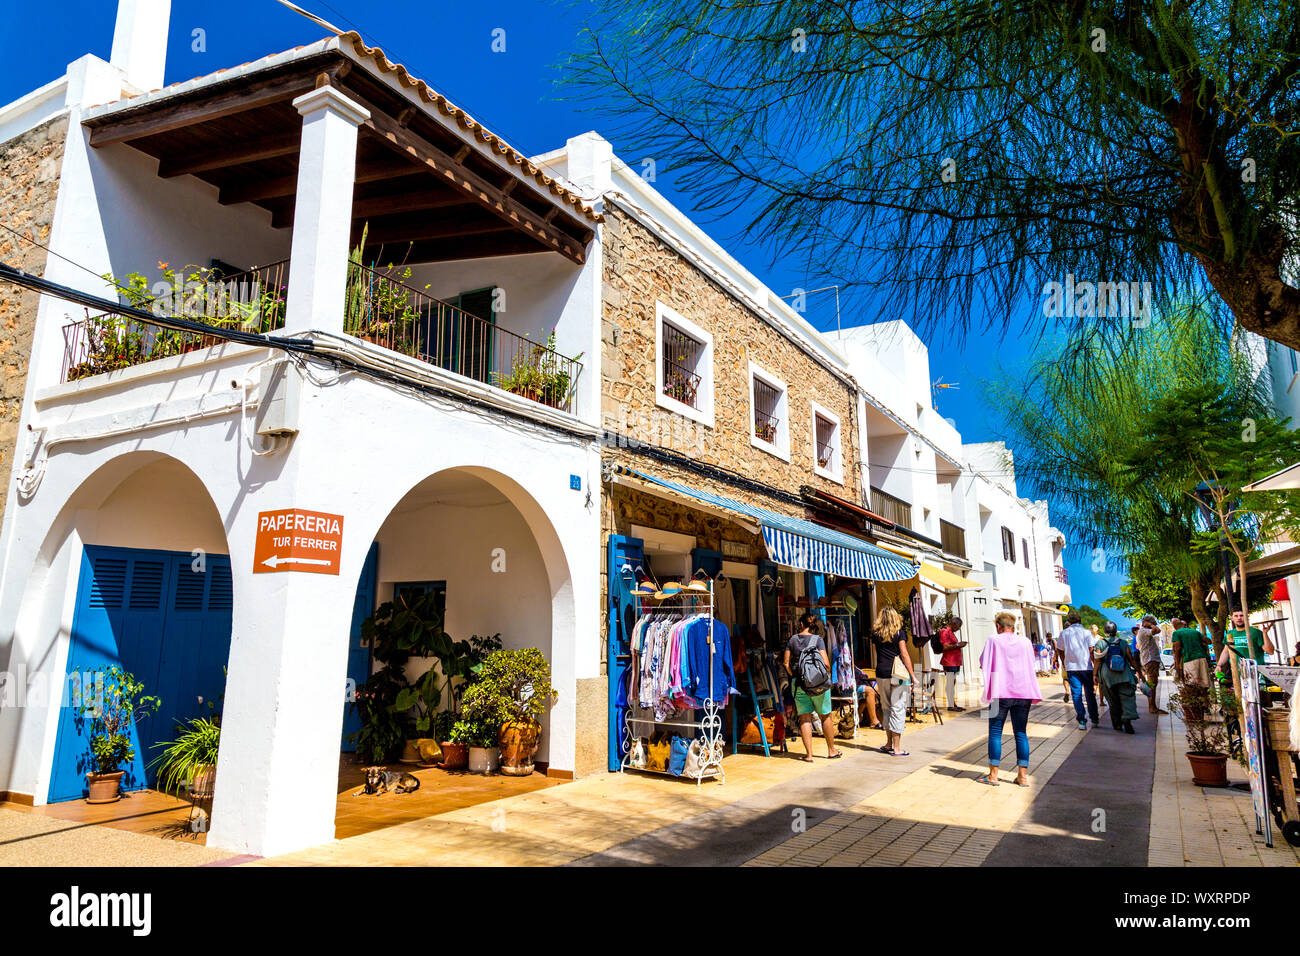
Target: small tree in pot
<point>1209,741</point>
<point>514,691</point>
<point>112,701</point>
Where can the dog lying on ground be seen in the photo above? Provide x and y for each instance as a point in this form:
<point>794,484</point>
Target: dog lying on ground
<point>383,780</point>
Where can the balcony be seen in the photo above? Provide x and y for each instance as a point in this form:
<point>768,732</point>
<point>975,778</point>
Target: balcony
<point>895,509</point>
<point>1062,574</point>
<point>251,301</point>
<point>379,309</point>
<point>953,538</point>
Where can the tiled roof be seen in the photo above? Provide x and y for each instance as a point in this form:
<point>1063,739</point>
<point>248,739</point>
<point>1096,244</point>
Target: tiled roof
<point>466,122</point>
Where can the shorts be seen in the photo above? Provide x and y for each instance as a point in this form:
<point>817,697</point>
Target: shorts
<point>1151,671</point>
<point>820,704</point>
<point>952,668</point>
<point>1197,672</point>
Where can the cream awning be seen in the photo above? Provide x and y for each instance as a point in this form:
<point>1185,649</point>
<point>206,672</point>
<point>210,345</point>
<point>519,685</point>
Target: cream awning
<point>934,576</point>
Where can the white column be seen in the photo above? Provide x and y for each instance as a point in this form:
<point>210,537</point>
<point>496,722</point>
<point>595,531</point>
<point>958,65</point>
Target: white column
<point>322,217</point>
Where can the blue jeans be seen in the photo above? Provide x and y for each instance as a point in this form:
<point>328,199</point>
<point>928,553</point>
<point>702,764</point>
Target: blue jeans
<point>1081,687</point>
<point>1019,711</point>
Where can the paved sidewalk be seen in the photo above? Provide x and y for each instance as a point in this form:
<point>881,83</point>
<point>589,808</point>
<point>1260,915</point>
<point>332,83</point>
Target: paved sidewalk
<point>940,814</point>
<point>1204,826</point>
<point>30,839</point>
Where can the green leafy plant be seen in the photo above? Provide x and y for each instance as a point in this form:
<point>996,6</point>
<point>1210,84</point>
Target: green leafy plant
<point>541,374</point>
<point>512,685</point>
<point>112,700</point>
<point>1210,719</point>
<point>475,732</point>
<point>194,749</point>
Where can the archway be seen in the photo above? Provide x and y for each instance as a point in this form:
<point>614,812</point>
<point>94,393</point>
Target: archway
<point>492,558</point>
<point>133,572</point>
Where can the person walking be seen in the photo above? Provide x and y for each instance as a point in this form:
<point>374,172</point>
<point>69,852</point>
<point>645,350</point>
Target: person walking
<point>1149,656</point>
<point>1101,697</point>
<point>810,702</point>
<point>1191,666</point>
<point>1076,663</point>
<point>1116,671</point>
<point>891,657</point>
<point>1011,688</point>
<point>950,661</point>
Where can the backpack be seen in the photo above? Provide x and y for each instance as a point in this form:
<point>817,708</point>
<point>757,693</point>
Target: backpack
<point>1115,655</point>
<point>813,674</point>
<point>936,645</point>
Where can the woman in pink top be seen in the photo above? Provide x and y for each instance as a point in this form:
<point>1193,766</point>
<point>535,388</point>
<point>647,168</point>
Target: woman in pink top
<point>1010,687</point>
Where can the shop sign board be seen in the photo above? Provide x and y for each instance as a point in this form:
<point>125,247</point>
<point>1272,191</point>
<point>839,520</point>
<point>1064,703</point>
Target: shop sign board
<point>295,540</point>
<point>1253,739</point>
<point>1282,675</point>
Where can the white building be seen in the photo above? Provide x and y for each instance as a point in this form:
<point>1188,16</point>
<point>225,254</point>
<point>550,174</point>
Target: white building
<point>141,496</point>
<point>953,506</point>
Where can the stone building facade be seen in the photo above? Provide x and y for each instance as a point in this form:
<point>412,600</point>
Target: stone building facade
<point>29,187</point>
<point>641,272</point>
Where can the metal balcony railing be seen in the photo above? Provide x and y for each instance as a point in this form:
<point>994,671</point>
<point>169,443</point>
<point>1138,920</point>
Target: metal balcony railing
<point>384,311</point>
<point>895,509</point>
<point>1062,575</point>
<point>251,301</point>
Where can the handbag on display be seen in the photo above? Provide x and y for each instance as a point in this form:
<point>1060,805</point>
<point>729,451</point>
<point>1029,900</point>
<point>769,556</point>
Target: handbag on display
<point>636,757</point>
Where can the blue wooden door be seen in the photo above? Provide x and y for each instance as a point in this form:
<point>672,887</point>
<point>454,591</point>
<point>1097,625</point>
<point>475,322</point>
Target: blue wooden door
<point>163,619</point>
<point>359,654</point>
<point>626,555</point>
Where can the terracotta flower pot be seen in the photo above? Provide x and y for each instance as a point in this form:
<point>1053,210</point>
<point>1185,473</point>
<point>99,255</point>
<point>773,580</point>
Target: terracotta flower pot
<point>1209,770</point>
<point>454,756</point>
<point>518,742</point>
<point>104,787</point>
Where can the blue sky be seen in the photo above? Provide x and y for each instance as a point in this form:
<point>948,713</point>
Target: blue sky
<point>513,92</point>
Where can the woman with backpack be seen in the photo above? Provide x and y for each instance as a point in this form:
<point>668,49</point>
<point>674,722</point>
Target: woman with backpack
<point>894,677</point>
<point>811,677</point>
<point>1116,671</point>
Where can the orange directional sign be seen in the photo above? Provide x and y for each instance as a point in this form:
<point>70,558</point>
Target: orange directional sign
<point>295,540</point>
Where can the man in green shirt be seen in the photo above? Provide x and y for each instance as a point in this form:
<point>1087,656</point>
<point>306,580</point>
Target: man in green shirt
<point>1235,638</point>
<point>1191,656</point>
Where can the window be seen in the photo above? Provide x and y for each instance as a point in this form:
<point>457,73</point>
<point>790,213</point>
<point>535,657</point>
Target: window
<point>1025,545</point>
<point>827,457</point>
<point>683,366</point>
<point>1008,545</point>
<point>769,422</point>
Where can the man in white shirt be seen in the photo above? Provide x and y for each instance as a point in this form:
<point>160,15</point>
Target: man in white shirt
<point>1074,648</point>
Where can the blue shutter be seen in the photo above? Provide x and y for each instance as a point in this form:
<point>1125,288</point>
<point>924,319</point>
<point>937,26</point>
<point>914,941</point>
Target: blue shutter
<point>625,556</point>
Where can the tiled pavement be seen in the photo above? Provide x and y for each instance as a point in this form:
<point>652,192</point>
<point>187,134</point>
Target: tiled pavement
<point>939,815</point>
<point>1201,826</point>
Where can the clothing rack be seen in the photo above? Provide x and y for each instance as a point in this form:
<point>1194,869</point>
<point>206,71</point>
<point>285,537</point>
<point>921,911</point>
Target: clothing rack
<point>708,727</point>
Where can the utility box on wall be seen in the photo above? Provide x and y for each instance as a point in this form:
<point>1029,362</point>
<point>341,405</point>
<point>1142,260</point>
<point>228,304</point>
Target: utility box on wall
<point>279,391</point>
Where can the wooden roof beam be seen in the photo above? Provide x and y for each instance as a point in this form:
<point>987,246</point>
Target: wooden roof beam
<point>206,159</point>
<point>170,117</point>
<point>407,143</point>
<point>280,186</point>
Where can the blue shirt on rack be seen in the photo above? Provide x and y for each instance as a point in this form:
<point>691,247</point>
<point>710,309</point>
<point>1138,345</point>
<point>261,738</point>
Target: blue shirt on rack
<point>711,676</point>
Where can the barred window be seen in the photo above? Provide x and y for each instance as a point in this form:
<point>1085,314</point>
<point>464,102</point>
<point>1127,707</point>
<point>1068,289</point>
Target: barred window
<point>681,354</point>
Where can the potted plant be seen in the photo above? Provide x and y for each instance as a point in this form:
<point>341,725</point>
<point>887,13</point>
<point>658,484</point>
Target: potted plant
<point>479,736</point>
<point>189,763</point>
<point>112,701</point>
<point>1208,741</point>
<point>395,713</point>
<point>512,693</point>
<point>460,662</point>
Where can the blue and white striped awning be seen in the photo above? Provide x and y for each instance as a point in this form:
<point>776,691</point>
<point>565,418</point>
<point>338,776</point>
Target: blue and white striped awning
<point>798,543</point>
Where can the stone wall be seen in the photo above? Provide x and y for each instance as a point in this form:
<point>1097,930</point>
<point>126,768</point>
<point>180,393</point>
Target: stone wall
<point>29,184</point>
<point>641,270</point>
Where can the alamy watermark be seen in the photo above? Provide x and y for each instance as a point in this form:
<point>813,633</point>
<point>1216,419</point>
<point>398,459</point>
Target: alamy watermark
<point>1084,299</point>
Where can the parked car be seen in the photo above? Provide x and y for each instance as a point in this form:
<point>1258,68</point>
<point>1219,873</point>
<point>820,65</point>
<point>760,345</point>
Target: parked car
<point>1167,659</point>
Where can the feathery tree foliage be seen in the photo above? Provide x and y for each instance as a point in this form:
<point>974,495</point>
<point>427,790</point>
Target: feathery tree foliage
<point>957,155</point>
<point>1099,419</point>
